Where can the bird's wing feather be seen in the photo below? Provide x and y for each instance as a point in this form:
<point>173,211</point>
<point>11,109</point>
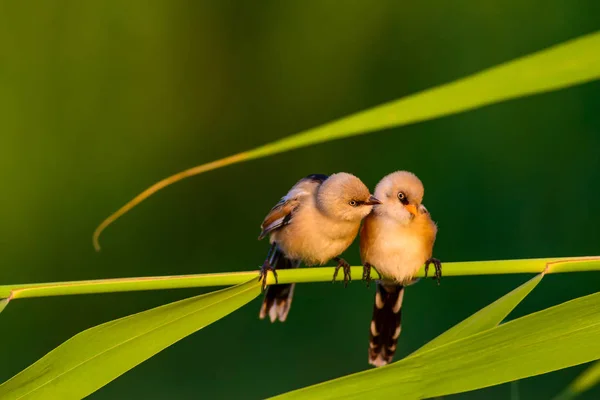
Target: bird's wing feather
<point>283,212</point>
<point>279,216</point>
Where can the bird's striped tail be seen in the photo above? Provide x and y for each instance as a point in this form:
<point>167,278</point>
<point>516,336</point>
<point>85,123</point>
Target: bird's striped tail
<point>385,325</point>
<point>278,298</point>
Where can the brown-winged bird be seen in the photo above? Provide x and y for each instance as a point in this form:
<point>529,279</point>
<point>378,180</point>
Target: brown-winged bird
<point>396,239</point>
<point>313,223</point>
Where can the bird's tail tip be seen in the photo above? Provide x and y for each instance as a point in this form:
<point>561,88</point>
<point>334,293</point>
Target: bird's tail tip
<point>378,360</point>
<point>386,324</point>
<point>277,302</point>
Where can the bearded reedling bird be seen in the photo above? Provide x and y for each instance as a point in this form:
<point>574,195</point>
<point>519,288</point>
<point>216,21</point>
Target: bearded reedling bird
<point>396,239</point>
<point>313,223</point>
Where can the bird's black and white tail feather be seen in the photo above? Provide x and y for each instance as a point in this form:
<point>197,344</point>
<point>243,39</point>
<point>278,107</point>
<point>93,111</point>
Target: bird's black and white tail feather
<point>385,324</point>
<point>278,298</point>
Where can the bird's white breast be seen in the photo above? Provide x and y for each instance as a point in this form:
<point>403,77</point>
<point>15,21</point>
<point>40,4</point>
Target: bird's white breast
<point>397,252</point>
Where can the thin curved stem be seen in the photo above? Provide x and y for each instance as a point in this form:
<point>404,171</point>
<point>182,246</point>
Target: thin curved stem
<point>300,275</point>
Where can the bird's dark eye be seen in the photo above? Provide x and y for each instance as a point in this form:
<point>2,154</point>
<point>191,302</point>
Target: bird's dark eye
<point>402,197</point>
<point>353,203</point>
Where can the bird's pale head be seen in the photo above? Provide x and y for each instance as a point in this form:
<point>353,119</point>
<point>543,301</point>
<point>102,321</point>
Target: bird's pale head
<point>401,194</point>
<point>343,196</point>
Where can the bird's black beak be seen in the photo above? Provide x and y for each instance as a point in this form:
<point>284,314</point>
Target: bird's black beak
<point>372,201</point>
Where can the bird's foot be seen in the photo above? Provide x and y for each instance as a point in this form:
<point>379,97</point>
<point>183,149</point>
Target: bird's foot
<point>367,274</point>
<point>341,263</point>
<point>438,268</point>
<point>264,271</point>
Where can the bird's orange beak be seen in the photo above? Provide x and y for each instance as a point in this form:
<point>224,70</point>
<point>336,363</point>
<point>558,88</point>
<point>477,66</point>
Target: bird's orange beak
<point>411,209</point>
<point>372,201</point>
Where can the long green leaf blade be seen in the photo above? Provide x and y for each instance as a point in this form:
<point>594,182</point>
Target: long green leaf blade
<point>520,348</point>
<point>587,380</point>
<point>486,318</point>
<point>570,63</point>
<point>93,358</point>
<point>3,304</point>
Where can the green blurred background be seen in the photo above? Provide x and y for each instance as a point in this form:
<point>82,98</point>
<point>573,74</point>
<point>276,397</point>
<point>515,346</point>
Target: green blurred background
<point>100,99</point>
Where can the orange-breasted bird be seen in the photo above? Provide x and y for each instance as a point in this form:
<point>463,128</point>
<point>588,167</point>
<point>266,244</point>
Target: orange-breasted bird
<point>396,239</point>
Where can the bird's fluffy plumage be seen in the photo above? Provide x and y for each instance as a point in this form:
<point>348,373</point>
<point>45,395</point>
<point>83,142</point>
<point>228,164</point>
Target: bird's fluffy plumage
<point>315,222</point>
<point>393,240</point>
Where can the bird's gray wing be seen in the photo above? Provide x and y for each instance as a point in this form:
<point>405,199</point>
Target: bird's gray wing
<point>283,212</point>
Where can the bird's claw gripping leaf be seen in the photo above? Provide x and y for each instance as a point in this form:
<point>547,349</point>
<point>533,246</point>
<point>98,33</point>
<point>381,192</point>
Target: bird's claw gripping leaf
<point>341,263</point>
<point>264,271</point>
<point>438,268</point>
